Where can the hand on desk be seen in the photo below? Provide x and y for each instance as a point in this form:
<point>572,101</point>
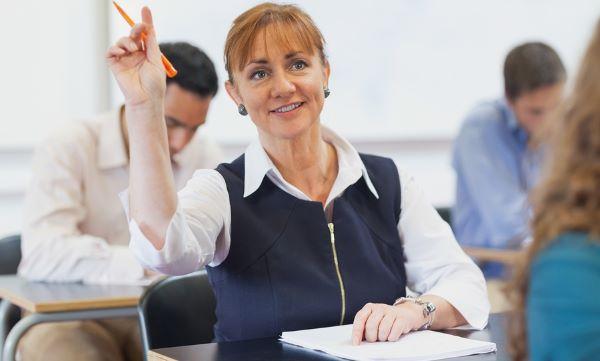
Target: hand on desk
<point>381,322</point>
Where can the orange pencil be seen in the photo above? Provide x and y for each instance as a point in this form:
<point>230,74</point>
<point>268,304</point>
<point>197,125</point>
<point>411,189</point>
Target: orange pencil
<point>171,71</point>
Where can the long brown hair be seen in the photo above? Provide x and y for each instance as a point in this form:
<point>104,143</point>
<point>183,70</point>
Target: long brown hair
<point>568,197</point>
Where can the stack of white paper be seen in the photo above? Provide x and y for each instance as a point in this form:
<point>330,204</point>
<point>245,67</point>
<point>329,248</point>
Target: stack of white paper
<point>415,346</point>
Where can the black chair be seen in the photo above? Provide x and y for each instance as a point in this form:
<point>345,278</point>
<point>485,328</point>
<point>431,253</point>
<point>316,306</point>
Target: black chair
<point>10,256</point>
<point>445,213</point>
<point>178,311</point>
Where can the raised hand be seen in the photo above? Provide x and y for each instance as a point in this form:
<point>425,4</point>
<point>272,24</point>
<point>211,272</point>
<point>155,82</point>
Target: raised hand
<point>136,65</point>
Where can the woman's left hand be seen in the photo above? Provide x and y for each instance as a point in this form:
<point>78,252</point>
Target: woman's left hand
<point>381,322</point>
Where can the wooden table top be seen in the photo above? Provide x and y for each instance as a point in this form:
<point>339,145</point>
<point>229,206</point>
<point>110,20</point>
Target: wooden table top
<point>60,297</point>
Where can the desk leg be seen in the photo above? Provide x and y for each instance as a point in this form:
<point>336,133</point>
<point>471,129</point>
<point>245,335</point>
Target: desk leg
<point>12,340</point>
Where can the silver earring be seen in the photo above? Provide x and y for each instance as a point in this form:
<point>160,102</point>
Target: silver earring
<point>242,109</point>
<point>326,91</point>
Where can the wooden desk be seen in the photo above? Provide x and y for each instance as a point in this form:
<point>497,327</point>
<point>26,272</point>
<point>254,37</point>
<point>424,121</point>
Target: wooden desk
<point>273,349</point>
<point>56,302</point>
<point>508,257</point>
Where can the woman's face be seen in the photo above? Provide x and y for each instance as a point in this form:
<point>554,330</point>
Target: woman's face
<point>282,89</point>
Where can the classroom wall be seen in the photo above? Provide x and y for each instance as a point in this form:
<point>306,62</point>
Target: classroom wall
<point>53,66</point>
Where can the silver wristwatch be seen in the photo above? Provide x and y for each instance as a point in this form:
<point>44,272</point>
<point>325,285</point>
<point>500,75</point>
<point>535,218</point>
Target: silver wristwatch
<point>428,309</point>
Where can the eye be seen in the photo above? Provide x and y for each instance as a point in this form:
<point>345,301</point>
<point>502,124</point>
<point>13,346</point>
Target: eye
<point>258,75</point>
<point>299,65</point>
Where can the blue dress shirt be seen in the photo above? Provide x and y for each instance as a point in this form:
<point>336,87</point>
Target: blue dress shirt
<point>495,171</point>
<point>562,310</point>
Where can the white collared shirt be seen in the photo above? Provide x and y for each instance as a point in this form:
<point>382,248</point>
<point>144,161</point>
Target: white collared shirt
<point>74,226</point>
<point>199,232</point>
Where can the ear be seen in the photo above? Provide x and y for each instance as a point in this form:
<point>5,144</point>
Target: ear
<point>233,92</point>
<point>510,101</point>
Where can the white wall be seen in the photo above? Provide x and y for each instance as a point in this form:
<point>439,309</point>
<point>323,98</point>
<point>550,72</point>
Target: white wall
<point>52,66</point>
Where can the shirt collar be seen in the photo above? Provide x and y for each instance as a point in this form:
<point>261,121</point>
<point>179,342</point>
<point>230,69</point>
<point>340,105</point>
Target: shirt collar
<point>350,165</point>
<point>111,146</point>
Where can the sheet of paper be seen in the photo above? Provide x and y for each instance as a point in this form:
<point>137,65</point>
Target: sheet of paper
<point>415,346</point>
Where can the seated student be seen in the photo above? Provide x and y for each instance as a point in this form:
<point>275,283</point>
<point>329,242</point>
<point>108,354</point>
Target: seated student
<point>74,224</point>
<point>557,286</point>
<point>496,154</point>
<point>301,231</point>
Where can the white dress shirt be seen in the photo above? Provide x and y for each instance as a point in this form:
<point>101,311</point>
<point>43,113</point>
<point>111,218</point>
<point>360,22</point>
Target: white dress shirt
<point>75,228</point>
<point>199,232</point>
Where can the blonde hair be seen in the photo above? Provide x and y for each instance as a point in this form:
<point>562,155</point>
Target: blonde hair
<point>288,25</point>
<point>568,197</point>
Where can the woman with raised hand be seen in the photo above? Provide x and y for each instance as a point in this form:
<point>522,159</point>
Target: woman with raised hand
<point>301,231</point>
<point>556,287</point>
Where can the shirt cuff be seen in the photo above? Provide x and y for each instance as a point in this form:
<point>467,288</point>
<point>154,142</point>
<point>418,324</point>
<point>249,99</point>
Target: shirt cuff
<point>122,269</point>
<point>179,254</point>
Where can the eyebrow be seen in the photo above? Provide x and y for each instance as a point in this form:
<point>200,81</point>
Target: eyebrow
<point>265,61</point>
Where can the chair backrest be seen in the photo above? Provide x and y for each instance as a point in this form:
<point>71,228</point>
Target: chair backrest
<point>178,311</point>
<point>10,254</point>
<point>445,214</point>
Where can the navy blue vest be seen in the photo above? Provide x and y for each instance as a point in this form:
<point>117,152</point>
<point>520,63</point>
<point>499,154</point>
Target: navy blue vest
<point>280,273</point>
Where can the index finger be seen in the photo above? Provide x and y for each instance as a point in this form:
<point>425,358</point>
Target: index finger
<point>147,17</point>
<point>152,49</point>
<point>360,320</point>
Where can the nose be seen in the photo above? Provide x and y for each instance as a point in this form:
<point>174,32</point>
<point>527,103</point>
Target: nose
<point>282,86</point>
<point>178,139</point>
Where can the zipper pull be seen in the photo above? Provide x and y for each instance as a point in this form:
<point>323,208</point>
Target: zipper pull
<point>332,235</point>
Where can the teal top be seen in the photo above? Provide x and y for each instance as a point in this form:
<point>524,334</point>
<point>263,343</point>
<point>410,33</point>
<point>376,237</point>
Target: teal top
<point>563,305</point>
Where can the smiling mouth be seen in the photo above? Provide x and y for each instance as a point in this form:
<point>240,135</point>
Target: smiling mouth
<point>288,107</point>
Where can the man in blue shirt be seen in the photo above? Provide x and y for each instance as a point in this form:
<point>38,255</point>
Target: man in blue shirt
<point>497,154</point>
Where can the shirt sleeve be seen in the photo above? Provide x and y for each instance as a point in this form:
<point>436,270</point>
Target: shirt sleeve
<point>496,191</point>
<point>54,249</point>
<point>435,263</point>
<point>198,233</point>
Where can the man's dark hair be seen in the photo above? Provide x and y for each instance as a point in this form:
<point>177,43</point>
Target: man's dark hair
<point>531,66</point>
<point>195,71</point>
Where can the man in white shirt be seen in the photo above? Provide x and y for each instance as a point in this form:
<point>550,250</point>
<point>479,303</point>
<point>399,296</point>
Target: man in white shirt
<point>76,230</point>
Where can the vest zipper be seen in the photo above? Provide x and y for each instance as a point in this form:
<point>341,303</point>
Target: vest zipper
<point>339,275</point>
